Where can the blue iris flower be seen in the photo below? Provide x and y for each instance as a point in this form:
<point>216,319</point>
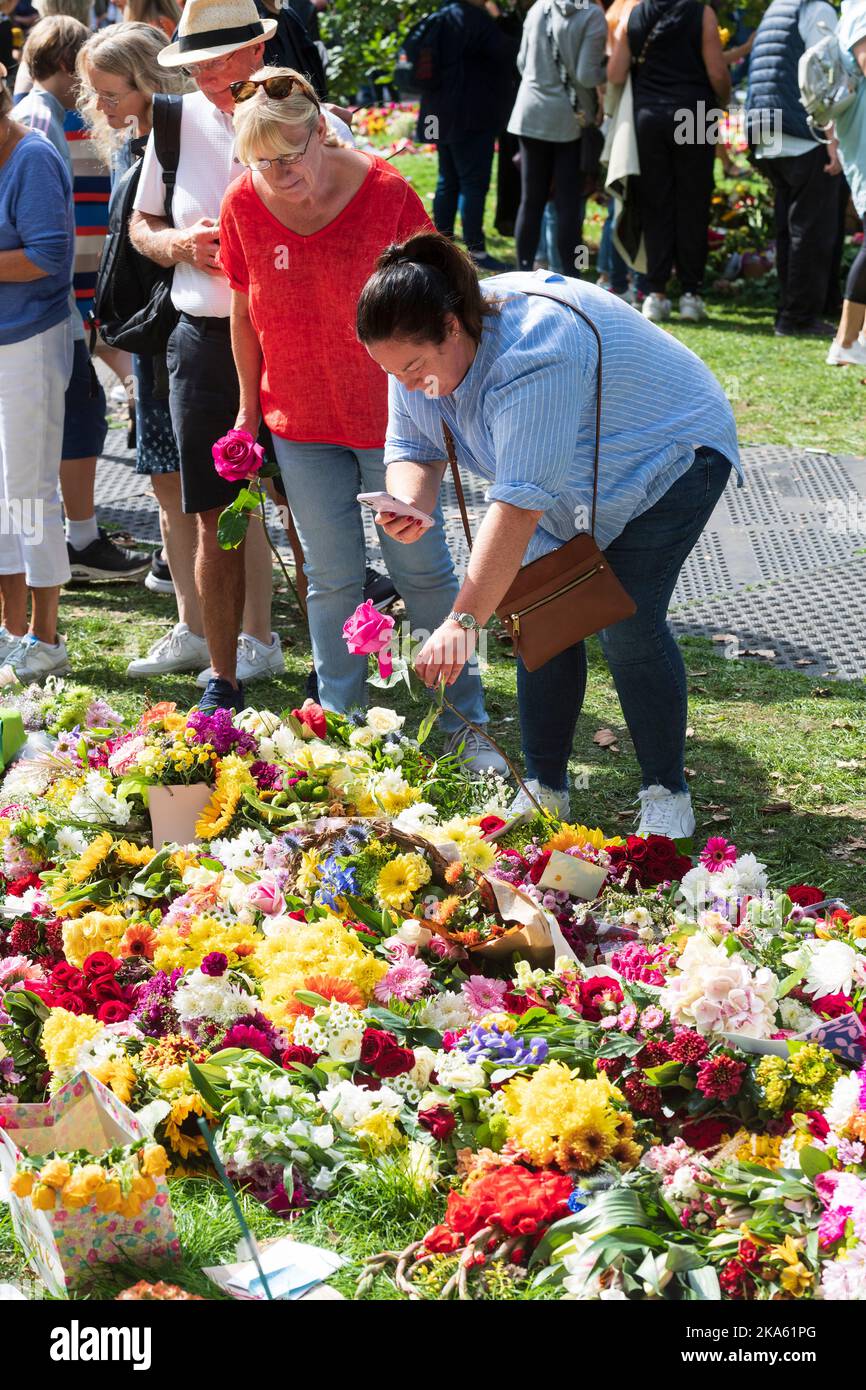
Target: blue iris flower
<point>336,881</point>
<point>495,1045</point>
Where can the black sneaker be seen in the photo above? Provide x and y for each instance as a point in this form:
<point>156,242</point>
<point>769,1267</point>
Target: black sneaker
<point>311,688</point>
<point>103,562</point>
<point>219,694</point>
<point>158,578</point>
<point>379,590</point>
<point>485,261</point>
<point>818,328</point>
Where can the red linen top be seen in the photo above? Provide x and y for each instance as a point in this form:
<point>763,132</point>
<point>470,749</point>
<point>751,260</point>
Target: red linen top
<point>318,383</point>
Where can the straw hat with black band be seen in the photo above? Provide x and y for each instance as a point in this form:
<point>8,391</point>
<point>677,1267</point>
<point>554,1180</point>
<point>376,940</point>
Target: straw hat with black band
<point>213,28</point>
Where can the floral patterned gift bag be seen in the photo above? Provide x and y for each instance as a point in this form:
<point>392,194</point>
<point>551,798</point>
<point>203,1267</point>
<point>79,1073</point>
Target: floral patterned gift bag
<point>100,1199</point>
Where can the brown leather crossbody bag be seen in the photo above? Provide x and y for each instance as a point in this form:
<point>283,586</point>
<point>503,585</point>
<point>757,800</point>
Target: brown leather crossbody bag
<point>569,594</point>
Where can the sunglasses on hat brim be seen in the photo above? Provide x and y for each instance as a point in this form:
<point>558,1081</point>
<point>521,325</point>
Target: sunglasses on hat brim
<point>277,88</point>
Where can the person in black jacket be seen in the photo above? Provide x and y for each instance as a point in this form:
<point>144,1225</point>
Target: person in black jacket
<point>295,45</point>
<point>462,115</point>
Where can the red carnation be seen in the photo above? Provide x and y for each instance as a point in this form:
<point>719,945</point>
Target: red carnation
<point>805,894</point>
<point>438,1120</point>
<point>537,868</point>
<point>19,886</point>
<point>706,1134</point>
<point>441,1241</point>
<point>720,1078</point>
<point>818,1126</point>
<point>593,992</point>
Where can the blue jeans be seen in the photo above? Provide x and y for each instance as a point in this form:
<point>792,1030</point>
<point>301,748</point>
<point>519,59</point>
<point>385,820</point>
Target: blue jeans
<point>641,651</point>
<point>465,165</point>
<point>322,482</point>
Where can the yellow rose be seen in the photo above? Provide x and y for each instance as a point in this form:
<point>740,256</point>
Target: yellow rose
<point>22,1184</point>
<point>130,1206</point>
<point>43,1197</point>
<point>55,1173</point>
<point>154,1160</point>
<point>109,1196</point>
<point>857,927</point>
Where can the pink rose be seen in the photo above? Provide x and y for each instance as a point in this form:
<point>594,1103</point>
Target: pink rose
<point>237,456</point>
<point>266,896</point>
<point>369,632</point>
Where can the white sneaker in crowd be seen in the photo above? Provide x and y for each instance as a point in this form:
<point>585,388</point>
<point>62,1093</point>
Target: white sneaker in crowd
<point>255,660</point>
<point>8,641</point>
<point>476,754</point>
<point>178,650</point>
<point>656,308</point>
<point>663,812</point>
<point>32,660</point>
<point>558,803</point>
<point>853,355</point>
<point>692,308</point>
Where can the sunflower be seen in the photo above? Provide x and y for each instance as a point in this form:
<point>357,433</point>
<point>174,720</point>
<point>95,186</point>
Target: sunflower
<point>125,852</point>
<point>81,868</point>
<point>233,779</point>
<point>400,880</point>
<point>580,837</point>
<point>181,1129</point>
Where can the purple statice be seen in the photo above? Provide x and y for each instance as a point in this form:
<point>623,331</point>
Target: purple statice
<point>154,1012</point>
<point>218,730</point>
<point>495,1045</point>
<point>267,776</point>
<point>335,882</point>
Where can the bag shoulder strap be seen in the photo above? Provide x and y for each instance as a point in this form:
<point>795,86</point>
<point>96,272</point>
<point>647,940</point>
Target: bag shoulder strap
<point>167,114</point>
<point>565,76</point>
<point>449,437</point>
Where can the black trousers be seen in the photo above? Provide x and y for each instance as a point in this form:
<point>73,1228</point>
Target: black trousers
<point>203,397</point>
<point>855,289</point>
<point>542,163</point>
<point>806,215</point>
<point>676,185</point>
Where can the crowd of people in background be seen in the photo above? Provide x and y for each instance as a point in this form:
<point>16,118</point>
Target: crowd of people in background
<point>263,160</point>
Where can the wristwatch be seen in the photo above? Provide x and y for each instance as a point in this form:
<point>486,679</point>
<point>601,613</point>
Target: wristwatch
<point>465,620</point>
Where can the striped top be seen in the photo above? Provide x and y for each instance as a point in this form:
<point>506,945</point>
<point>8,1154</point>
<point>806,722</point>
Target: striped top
<point>523,417</point>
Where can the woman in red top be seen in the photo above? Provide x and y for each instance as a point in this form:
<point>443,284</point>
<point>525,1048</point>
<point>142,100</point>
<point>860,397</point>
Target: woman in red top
<point>300,233</point>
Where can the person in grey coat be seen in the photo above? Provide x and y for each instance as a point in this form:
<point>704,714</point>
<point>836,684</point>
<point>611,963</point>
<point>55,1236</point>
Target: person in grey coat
<point>561,62</point>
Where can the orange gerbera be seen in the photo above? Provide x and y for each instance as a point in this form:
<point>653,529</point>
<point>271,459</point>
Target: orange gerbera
<point>329,987</point>
<point>139,940</point>
<point>156,713</point>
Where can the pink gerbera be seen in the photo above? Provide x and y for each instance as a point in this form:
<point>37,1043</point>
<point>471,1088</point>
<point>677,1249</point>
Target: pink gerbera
<point>718,853</point>
<point>484,996</point>
<point>405,980</point>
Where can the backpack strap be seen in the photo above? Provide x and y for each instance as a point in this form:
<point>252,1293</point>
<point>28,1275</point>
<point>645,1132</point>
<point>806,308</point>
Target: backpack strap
<point>167,113</point>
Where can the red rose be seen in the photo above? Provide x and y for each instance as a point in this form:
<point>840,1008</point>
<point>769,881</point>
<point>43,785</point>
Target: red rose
<point>490,825</point>
<point>706,1134</point>
<point>72,1003</point>
<point>372,1045</point>
<point>65,976</point>
<point>818,1126</point>
<point>805,894</point>
<point>637,848</point>
<point>113,1011</point>
<point>832,1005</point>
<point>438,1120</point>
<point>381,1051</point>
<point>537,869</point>
<point>313,717</point>
<point>590,994</point>
<point>99,963</point>
<point>395,1062</point>
<point>441,1241</point>
<point>103,988</point>
<point>295,1053</point>
<point>298,916</point>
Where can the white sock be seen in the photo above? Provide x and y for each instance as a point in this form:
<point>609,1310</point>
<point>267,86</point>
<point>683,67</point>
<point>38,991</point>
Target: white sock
<point>80,533</point>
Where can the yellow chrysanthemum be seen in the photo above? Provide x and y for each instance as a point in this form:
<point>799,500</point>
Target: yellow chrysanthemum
<point>478,854</point>
<point>117,1074</point>
<point>555,1117</point>
<point>93,931</point>
<point>80,869</point>
<point>378,1131</point>
<point>125,852</point>
<point>325,947</point>
<point>400,880</point>
<point>187,944</point>
<point>63,1034</point>
<point>580,837</point>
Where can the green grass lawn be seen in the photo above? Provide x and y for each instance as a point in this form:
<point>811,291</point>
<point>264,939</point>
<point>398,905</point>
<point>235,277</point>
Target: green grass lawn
<point>781,389</point>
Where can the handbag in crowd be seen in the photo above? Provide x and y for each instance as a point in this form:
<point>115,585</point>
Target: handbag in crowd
<point>569,594</point>
<point>583,100</point>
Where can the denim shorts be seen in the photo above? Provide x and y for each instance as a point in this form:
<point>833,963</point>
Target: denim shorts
<point>84,422</point>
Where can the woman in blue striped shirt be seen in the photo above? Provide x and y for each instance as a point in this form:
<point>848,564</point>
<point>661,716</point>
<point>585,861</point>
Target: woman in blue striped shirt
<point>514,376</point>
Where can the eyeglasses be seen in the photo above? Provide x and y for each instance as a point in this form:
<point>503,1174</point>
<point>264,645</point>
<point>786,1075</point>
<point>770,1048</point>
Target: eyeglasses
<point>110,103</point>
<point>285,161</point>
<point>277,88</point>
<point>208,65</point>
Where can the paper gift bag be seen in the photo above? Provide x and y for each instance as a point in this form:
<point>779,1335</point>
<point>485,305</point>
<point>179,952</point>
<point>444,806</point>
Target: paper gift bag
<point>174,812</point>
<point>63,1244</point>
<point>536,934</point>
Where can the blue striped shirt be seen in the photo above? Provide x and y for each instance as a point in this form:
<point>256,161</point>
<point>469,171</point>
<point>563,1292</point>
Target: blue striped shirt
<point>523,417</point>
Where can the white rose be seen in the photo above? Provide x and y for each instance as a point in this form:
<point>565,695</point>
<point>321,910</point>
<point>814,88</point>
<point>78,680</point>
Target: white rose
<point>425,1062</point>
<point>414,933</point>
<point>384,721</point>
<point>363,737</point>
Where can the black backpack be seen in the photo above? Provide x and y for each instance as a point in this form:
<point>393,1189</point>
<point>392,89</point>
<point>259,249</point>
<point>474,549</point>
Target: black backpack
<point>423,50</point>
<point>132,305</point>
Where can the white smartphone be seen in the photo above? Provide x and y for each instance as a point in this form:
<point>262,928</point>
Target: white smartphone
<point>384,502</point>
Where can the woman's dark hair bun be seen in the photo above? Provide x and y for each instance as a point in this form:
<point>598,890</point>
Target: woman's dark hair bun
<point>416,286</point>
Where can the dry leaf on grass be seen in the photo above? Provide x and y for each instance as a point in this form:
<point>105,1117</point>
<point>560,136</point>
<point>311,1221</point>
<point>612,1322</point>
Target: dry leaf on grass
<point>766,653</point>
<point>805,661</point>
<point>776,808</point>
<point>842,724</point>
<point>606,738</point>
<point>725,637</point>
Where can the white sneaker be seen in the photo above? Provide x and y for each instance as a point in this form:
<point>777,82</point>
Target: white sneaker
<point>656,308</point>
<point>255,660</point>
<point>476,754</point>
<point>557,803</point>
<point>692,308</point>
<point>663,812</point>
<point>32,660</point>
<point>853,355</point>
<point>8,641</point>
<point>179,650</point>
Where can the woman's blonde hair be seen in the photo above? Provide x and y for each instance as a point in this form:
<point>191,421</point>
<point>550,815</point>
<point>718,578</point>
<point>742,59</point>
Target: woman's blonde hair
<point>150,11</point>
<point>128,51</point>
<point>263,123</point>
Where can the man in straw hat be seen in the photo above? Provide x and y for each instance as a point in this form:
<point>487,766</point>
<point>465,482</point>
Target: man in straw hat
<point>219,42</point>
